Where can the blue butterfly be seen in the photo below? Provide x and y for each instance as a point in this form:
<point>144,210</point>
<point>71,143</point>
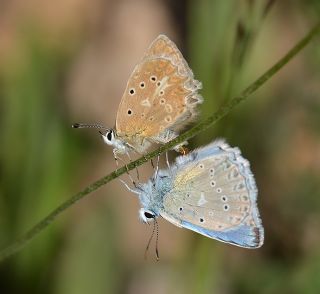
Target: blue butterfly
<point>211,191</point>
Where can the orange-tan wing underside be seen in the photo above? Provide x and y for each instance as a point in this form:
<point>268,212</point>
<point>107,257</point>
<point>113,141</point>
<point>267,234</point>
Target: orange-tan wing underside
<point>161,94</point>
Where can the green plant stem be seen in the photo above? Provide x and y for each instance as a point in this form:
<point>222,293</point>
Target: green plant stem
<point>21,242</point>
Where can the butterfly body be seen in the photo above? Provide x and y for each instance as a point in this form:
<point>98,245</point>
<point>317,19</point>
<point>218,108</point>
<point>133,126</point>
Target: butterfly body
<point>210,191</point>
<point>123,145</point>
<point>160,99</point>
<point>153,192</point>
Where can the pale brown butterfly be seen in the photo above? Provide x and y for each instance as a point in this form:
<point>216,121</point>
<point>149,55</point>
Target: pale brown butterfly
<point>160,99</point>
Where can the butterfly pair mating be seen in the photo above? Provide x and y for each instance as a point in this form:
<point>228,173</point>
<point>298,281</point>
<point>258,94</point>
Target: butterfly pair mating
<point>211,190</point>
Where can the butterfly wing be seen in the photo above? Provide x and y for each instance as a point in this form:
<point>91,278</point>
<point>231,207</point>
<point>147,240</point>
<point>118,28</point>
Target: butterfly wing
<point>161,95</point>
<point>214,194</point>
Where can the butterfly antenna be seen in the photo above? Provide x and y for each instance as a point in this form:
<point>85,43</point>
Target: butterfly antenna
<point>149,242</point>
<point>157,239</point>
<point>93,126</point>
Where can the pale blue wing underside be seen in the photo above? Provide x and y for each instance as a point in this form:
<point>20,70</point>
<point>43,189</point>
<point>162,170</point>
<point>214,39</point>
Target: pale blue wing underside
<point>243,235</point>
<point>214,194</point>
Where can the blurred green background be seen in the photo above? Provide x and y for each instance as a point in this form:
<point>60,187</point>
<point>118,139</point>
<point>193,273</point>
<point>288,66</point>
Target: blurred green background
<point>68,61</point>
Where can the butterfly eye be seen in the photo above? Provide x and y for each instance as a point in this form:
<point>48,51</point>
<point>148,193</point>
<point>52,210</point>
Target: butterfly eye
<point>109,136</point>
<point>149,214</point>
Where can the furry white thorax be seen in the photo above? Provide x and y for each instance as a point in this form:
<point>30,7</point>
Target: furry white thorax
<point>120,146</point>
<point>152,193</point>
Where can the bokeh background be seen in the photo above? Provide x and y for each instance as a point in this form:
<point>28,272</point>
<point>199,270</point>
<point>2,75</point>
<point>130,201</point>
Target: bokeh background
<point>68,61</point>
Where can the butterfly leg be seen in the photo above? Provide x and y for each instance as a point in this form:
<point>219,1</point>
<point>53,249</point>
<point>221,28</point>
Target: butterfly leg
<point>137,171</point>
<point>182,149</point>
<point>157,167</point>
<point>127,186</point>
<point>127,171</point>
<point>116,158</point>
<point>167,160</point>
<point>152,164</point>
<point>169,135</point>
<point>144,145</point>
<point>168,163</point>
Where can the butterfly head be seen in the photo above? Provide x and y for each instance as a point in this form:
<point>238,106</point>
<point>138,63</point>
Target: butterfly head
<point>151,195</point>
<point>108,136</point>
<point>149,204</point>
